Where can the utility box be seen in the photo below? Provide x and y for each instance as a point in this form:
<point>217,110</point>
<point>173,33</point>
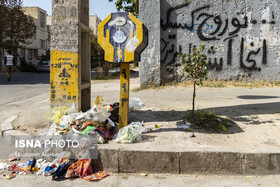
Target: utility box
<point>123,37</point>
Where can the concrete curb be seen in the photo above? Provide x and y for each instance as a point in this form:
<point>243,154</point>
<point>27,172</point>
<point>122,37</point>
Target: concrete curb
<point>192,162</point>
<point>7,124</point>
<point>229,163</point>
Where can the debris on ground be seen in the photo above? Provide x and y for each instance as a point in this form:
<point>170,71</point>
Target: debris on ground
<point>12,175</point>
<point>157,126</point>
<point>14,156</point>
<point>130,134</point>
<point>4,166</point>
<point>144,174</point>
<point>184,126</point>
<point>61,168</point>
<point>193,135</point>
<point>88,128</point>
<point>96,176</point>
<point>96,124</point>
<point>135,104</point>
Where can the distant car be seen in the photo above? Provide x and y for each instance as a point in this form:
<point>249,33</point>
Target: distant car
<point>43,66</point>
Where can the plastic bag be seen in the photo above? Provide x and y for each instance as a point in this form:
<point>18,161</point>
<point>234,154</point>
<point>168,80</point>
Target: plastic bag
<point>14,156</point>
<point>130,133</point>
<point>184,126</point>
<point>61,170</point>
<point>66,121</point>
<point>81,116</point>
<point>97,139</point>
<point>88,130</point>
<point>99,114</point>
<point>16,168</point>
<point>84,147</point>
<point>135,104</point>
<point>96,176</point>
<point>62,157</point>
<point>105,133</point>
<point>81,168</point>
<point>49,170</point>
<point>42,168</point>
<point>57,113</point>
<point>4,166</point>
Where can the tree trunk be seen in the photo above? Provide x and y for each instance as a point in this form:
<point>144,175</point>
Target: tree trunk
<point>194,95</point>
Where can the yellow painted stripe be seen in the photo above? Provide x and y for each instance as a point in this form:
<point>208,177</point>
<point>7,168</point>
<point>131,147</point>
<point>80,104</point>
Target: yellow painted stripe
<point>129,56</point>
<point>105,41</point>
<point>124,94</point>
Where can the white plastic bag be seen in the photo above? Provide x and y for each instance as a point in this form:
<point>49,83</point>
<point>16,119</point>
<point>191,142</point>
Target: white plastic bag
<point>130,133</point>
<point>66,121</point>
<point>99,114</point>
<point>184,126</point>
<point>135,104</point>
<point>97,139</point>
<point>42,168</point>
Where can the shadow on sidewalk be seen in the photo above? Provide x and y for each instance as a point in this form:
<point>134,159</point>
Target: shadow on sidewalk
<point>25,78</point>
<point>238,113</point>
<point>230,111</point>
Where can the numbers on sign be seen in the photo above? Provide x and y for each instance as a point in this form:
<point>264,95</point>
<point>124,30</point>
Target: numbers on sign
<point>124,87</point>
<point>124,73</point>
<point>124,100</point>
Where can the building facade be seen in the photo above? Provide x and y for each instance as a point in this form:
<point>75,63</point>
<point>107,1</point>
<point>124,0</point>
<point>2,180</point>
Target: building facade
<point>40,42</point>
<point>94,20</point>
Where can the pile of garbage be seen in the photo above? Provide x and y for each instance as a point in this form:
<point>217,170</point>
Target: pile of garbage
<point>61,168</point>
<point>98,125</point>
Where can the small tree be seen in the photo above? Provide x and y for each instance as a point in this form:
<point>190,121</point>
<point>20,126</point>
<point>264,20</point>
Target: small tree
<point>195,65</point>
<point>126,5</point>
<point>15,27</point>
<point>97,53</point>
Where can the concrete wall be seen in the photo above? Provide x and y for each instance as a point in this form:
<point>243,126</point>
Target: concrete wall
<point>65,20</point>
<point>150,64</point>
<point>245,32</point>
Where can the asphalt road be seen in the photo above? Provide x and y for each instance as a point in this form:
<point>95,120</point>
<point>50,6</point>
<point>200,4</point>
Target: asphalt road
<point>17,95</point>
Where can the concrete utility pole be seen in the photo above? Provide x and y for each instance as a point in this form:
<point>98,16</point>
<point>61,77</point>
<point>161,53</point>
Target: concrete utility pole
<point>70,54</point>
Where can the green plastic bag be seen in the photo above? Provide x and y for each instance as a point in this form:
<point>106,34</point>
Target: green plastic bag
<point>88,130</point>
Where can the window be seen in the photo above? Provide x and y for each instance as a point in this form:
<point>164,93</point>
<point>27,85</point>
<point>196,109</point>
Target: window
<point>43,44</point>
<point>22,53</point>
<point>30,54</point>
<point>35,53</point>
<point>34,34</point>
<point>42,20</point>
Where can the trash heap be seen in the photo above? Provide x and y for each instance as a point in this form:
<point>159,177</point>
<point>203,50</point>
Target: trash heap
<point>96,126</point>
<point>61,168</point>
<point>99,124</point>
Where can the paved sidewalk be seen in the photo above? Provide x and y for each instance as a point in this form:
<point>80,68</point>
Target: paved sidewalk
<point>135,180</point>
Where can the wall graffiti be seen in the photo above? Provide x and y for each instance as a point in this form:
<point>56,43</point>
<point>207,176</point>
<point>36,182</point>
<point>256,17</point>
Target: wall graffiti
<point>228,31</point>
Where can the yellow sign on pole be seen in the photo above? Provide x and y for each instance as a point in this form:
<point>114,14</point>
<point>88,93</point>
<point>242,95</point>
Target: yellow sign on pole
<point>64,77</point>
<point>124,94</point>
<point>123,37</point>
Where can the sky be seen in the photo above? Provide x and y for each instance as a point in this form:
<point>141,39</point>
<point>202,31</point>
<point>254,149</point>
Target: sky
<point>100,7</point>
